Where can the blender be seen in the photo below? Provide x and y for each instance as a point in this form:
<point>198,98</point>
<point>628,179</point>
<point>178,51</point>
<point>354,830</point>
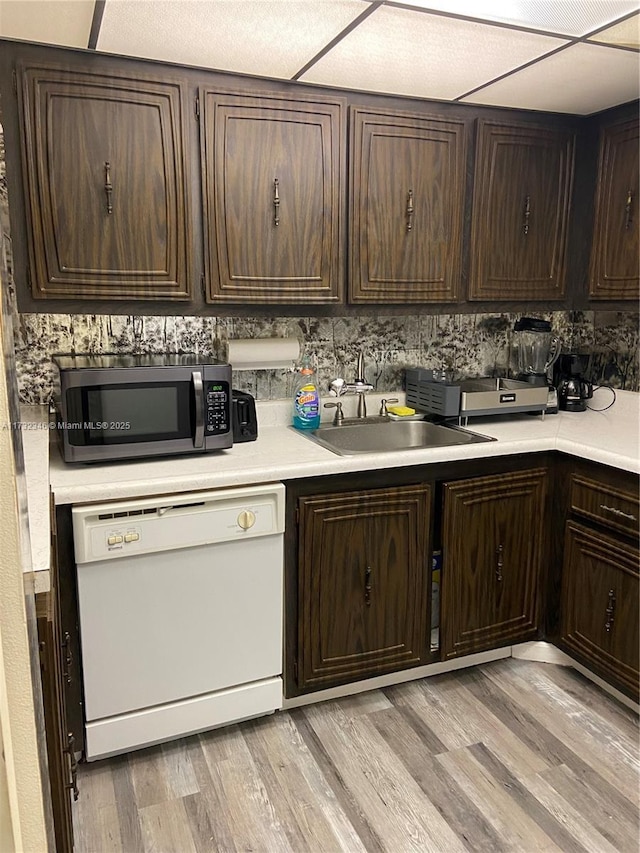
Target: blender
<point>538,350</point>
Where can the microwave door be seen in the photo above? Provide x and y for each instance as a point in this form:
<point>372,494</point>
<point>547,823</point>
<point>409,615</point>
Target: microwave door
<point>122,415</point>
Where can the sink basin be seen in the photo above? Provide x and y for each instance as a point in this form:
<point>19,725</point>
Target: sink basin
<point>381,435</point>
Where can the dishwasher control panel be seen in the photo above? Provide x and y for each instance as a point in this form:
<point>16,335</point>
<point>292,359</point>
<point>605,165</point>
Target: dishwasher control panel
<point>112,530</point>
<point>121,537</point>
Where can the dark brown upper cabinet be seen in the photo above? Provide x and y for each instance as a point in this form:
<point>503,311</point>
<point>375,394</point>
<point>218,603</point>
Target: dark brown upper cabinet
<point>273,172</point>
<point>615,258</point>
<point>106,186</point>
<point>407,181</point>
<point>521,200</point>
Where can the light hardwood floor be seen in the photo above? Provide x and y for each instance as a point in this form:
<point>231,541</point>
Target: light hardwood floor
<point>510,756</point>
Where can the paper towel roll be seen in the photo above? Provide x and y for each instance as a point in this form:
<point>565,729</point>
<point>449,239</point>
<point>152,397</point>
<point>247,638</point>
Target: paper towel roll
<point>263,353</point>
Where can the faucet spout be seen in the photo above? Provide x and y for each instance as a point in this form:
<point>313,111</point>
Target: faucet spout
<point>360,386</point>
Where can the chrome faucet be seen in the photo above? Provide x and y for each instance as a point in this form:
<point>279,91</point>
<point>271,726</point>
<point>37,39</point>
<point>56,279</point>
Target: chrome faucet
<point>360,387</point>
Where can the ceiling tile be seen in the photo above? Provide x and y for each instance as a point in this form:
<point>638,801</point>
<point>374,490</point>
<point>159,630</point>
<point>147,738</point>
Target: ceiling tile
<point>627,33</point>
<point>568,17</point>
<point>411,53</point>
<point>273,39</point>
<point>65,22</point>
<point>582,79</point>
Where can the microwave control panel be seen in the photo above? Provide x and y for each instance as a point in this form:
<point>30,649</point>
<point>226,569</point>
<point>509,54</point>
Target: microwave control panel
<point>217,408</point>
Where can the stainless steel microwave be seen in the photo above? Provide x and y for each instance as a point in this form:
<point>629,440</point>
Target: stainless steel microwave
<point>131,406</point>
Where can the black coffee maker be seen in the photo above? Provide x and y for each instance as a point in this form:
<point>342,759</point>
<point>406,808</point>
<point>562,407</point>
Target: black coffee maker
<point>573,389</point>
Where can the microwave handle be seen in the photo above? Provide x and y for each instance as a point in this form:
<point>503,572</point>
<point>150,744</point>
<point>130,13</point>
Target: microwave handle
<point>196,379</point>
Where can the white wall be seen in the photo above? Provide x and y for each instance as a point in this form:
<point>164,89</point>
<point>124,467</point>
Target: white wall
<point>22,817</point>
<point>7,841</point>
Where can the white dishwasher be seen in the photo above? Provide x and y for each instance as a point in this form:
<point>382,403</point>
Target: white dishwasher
<point>180,604</point>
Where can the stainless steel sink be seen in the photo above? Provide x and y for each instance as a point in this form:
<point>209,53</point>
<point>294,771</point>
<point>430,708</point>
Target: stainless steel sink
<point>382,435</point>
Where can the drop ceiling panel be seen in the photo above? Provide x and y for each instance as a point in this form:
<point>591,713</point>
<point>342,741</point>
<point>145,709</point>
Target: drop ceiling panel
<point>408,52</point>
<point>582,79</point>
<point>567,17</point>
<point>626,34</point>
<point>65,22</point>
<point>272,39</point>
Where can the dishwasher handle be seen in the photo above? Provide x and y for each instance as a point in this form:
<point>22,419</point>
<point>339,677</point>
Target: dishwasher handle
<point>198,390</point>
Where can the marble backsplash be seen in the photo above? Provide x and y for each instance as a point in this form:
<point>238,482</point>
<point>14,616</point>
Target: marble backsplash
<point>465,344</point>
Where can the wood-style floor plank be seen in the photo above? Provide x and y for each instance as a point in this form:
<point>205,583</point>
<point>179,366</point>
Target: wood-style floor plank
<point>581,829</point>
<point>301,795</point>
<point>516,828</point>
<point>462,815</point>
<point>485,727</point>
<point>352,810</point>
<point>612,757</point>
<point>165,827</point>
<point>509,756</point>
<point>602,805</point>
<point>385,790</point>
<point>181,778</point>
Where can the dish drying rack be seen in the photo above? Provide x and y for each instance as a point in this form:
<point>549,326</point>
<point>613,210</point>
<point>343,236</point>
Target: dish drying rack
<point>473,397</point>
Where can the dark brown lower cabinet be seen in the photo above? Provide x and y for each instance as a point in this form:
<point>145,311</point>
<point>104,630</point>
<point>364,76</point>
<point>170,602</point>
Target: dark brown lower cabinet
<point>492,549</point>
<point>362,584</point>
<point>600,592</point>
<point>60,742</point>
<point>58,675</point>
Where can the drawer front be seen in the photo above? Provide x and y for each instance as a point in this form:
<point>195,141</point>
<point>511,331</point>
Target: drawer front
<point>616,509</point>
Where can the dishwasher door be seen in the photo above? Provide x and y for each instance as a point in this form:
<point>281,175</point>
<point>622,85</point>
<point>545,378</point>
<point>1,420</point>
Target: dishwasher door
<point>179,637</point>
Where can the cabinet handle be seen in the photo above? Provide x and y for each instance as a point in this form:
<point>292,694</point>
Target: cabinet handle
<point>276,202</point>
<point>499,563</point>
<point>610,611</point>
<point>108,186</point>
<point>68,657</point>
<point>619,512</point>
<point>627,209</point>
<point>527,214</point>
<point>73,766</point>
<point>367,587</point>
<point>410,211</point>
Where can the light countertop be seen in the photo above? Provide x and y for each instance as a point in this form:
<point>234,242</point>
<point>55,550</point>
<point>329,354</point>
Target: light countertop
<point>281,453</point>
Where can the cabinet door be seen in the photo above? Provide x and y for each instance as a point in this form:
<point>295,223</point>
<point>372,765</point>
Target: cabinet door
<point>273,175</point>
<point>407,206</point>
<point>362,584</point>
<point>493,530</point>
<point>600,592</point>
<point>523,181</point>
<point>106,186</point>
<point>60,741</point>
<point>615,259</point>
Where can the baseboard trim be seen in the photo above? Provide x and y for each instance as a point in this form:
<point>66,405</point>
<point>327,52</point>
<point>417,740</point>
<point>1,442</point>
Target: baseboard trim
<point>537,650</point>
<point>400,677</point>
<point>540,651</point>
